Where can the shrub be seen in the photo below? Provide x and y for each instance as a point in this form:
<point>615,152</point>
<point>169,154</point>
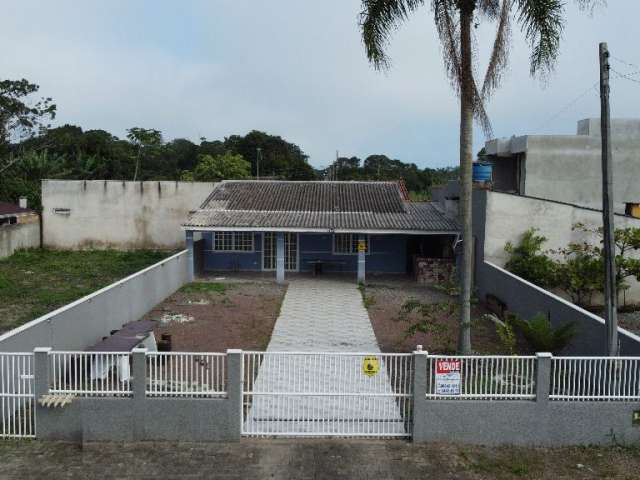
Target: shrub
<point>542,336</point>
<point>528,261</point>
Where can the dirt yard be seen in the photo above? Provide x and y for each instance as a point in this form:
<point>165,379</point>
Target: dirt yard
<point>384,301</point>
<point>314,459</point>
<point>209,316</point>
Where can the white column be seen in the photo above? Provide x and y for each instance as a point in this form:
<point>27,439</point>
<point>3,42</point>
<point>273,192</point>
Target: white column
<point>190,256</point>
<point>280,257</point>
<point>361,260</point>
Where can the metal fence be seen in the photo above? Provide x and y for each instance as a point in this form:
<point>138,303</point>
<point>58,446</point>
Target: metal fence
<point>178,374</point>
<point>17,408</point>
<point>496,377</point>
<point>91,373</point>
<point>595,378</point>
<point>327,394</point>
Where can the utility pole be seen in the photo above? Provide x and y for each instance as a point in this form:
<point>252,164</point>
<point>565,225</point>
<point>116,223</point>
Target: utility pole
<point>258,157</point>
<point>610,290</point>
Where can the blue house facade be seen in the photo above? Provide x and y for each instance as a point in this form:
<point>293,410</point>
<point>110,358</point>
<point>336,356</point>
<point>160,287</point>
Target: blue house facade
<point>342,227</point>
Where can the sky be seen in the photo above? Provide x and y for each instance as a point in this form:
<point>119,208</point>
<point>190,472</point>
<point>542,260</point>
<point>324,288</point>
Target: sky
<point>298,69</point>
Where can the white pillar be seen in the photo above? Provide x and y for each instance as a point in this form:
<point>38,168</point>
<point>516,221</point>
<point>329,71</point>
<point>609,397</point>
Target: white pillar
<point>190,256</point>
<point>361,259</point>
<point>280,257</point>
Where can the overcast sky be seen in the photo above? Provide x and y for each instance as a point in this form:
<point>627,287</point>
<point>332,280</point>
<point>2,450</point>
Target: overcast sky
<point>295,68</point>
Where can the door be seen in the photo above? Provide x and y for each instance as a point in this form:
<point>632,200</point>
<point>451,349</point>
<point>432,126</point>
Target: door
<point>290,251</point>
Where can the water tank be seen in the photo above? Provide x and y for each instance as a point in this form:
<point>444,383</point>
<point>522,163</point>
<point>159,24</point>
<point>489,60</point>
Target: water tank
<point>482,172</point>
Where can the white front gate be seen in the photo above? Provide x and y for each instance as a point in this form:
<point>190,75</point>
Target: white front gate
<point>327,394</point>
<point>17,409</point>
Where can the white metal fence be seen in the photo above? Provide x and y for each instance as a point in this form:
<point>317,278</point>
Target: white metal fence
<point>495,377</point>
<point>595,378</point>
<point>17,408</point>
<point>91,373</point>
<point>327,394</point>
<point>177,374</point>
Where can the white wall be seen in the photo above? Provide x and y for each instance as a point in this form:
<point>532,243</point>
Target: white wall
<point>19,235</point>
<point>118,214</point>
<point>509,216</point>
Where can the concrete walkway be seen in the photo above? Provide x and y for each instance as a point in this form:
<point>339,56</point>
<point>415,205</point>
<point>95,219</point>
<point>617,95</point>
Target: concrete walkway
<point>323,316</point>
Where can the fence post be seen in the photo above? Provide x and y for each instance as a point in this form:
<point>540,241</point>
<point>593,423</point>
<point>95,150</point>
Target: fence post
<point>543,376</point>
<point>41,371</point>
<point>235,385</point>
<point>420,359</point>
<point>139,373</point>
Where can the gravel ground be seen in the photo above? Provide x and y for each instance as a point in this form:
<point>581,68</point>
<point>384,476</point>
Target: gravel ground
<point>630,321</point>
<point>225,315</point>
<point>312,459</point>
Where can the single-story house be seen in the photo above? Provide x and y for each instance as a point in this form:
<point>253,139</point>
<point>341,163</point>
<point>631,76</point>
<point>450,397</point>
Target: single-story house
<point>312,226</point>
<point>11,214</point>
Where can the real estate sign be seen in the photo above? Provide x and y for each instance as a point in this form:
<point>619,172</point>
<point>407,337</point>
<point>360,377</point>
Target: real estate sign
<point>448,376</point>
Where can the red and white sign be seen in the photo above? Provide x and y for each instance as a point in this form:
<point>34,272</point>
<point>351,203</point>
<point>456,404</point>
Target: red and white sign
<point>448,376</point>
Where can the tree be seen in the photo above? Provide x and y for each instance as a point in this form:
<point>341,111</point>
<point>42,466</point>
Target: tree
<point>18,115</point>
<point>219,167</point>
<point>542,22</point>
<point>143,138</point>
<point>528,261</point>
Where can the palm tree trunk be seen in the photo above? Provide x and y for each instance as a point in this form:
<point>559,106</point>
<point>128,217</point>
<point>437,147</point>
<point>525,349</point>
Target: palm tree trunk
<point>466,159</point>
<point>135,173</point>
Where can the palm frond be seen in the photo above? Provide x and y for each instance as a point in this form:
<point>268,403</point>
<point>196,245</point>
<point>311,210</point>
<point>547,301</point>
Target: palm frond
<point>449,33</point>
<point>489,8</point>
<point>379,19</point>
<point>500,52</point>
<point>542,22</point>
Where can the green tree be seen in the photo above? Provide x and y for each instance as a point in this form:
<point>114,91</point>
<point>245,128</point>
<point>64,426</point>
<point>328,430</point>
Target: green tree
<point>542,22</point>
<point>20,116</point>
<point>528,261</point>
<point>143,139</point>
<point>220,167</point>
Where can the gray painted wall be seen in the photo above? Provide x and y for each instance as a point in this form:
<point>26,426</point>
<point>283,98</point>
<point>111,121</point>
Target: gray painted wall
<point>567,168</point>
<point>20,235</point>
<point>118,214</point>
<point>507,217</point>
<point>85,321</point>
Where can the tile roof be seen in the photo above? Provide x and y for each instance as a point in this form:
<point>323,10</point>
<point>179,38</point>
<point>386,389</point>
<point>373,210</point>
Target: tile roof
<point>357,206</point>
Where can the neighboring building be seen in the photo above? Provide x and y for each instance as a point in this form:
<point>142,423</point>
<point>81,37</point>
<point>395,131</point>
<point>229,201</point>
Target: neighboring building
<point>19,227</point>
<point>567,168</point>
<point>310,226</point>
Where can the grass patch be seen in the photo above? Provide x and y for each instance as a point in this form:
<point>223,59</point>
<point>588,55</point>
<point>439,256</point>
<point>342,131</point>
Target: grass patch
<point>367,300</point>
<point>36,281</point>
<point>206,287</point>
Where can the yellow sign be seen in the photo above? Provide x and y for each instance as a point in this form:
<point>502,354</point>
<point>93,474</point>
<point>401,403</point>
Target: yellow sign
<point>370,366</point>
<point>362,246</point>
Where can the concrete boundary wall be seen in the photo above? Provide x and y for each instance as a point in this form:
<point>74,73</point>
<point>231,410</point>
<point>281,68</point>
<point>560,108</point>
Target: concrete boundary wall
<point>123,215</point>
<point>141,418</point>
<point>20,235</point>
<point>538,422</point>
<point>526,299</point>
<point>84,322</point>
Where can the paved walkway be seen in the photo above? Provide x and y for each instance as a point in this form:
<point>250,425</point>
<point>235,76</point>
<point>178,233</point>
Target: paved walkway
<point>323,316</point>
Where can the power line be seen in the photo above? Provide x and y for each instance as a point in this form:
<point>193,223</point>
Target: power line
<point>628,64</point>
<point>627,76</point>
<point>569,105</point>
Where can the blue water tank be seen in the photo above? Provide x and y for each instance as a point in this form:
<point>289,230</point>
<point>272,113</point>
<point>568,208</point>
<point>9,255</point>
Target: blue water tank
<point>482,172</point>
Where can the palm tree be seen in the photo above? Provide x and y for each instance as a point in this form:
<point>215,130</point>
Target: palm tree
<point>541,21</point>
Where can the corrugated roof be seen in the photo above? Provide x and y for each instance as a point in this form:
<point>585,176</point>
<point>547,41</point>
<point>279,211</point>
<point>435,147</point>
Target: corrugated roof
<point>357,206</point>
<point>11,209</point>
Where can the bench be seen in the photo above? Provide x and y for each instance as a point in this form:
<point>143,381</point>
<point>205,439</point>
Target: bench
<point>317,265</point>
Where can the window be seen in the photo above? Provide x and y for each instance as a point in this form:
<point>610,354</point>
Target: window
<point>233,241</point>
<point>347,243</point>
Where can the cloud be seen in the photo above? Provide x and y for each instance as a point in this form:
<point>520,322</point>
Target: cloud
<point>296,69</point>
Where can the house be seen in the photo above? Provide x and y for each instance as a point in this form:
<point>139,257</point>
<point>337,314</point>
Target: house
<point>19,227</point>
<point>11,214</point>
<point>348,227</point>
<point>567,168</point>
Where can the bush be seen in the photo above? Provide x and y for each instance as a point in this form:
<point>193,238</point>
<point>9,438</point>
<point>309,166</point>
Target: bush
<point>542,336</point>
<point>528,261</point>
